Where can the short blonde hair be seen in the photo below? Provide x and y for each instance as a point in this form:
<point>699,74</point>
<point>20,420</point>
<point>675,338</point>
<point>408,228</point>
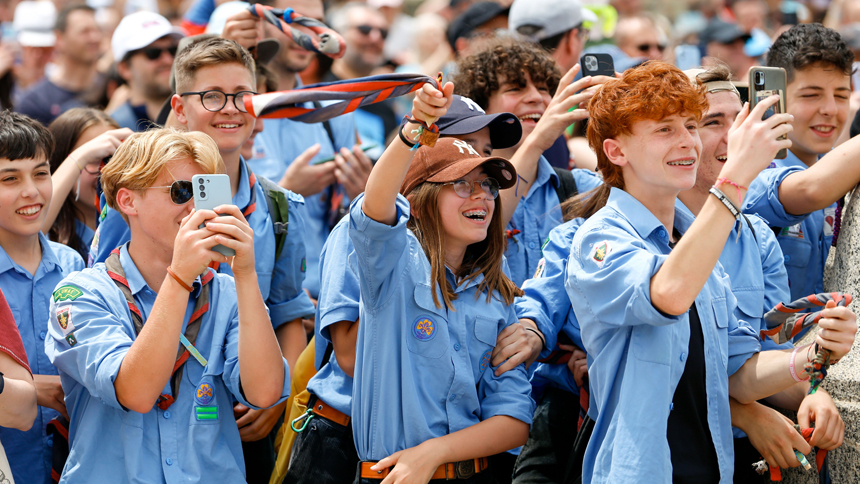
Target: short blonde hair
<point>142,157</point>
<point>211,51</point>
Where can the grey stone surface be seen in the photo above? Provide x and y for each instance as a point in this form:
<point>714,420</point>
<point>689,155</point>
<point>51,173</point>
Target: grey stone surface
<point>842,273</point>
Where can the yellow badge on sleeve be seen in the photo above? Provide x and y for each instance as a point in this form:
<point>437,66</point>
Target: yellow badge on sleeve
<point>64,319</point>
<point>601,252</point>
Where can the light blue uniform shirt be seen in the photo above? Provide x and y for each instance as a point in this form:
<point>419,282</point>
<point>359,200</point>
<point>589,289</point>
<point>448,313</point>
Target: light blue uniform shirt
<point>280,282</point>
<point>638,353</point>
<point>537,213</point>
<point>277,146</point>
<point>805,240</point>
<point>339,296</point>
<point>422,371</point>
<point>29,452</point>
<point>109,444</point>
<point>86,234</point>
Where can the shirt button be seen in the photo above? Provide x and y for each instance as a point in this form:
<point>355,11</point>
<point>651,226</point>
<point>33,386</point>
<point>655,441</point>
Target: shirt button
<point>167,414</point>
<point>456,346</point>
<point>169,461</point>
<point>532,245</point>
<point>787,257</point>
<point>42,335</point>
<point>683,356</point>
<point>661,231</point>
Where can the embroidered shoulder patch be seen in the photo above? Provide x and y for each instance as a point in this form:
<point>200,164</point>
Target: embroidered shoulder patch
<point>304,265</point>
<point>424,328</point>
<point>204,393</point>
<point>829,221</point>
<point>70,338</point>
<point>793,231</point>
<point>64,319</point>
<point>485,360</point>
<point>67,293</point>
<point>541,266</point>
<point>601,252</point>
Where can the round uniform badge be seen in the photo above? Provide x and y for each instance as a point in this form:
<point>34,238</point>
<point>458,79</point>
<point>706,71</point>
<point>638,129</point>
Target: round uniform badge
<point>204,393</point>
<point>424,328</point>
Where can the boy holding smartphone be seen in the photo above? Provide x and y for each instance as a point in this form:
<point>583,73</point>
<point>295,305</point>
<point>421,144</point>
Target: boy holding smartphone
<point>149,413</point>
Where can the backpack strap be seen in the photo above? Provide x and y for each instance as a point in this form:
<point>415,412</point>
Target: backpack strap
<point>279,210</point>
<point>566,186</point>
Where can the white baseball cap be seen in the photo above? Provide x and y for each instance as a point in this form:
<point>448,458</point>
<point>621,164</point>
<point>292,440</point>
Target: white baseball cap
<point>137,30</point>
<point>552,17</point>
<point>34,21</point>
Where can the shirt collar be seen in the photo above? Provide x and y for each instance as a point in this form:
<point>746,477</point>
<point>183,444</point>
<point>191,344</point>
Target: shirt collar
<point>642,220</point>
<point>545,173</point>
<point>458,288</point>
<point>49,258</point>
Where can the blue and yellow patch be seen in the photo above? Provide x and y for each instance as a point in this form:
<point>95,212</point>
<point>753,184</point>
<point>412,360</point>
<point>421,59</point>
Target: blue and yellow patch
<point>424,328</point>
<point>204,393</point>
<point>485,360</point>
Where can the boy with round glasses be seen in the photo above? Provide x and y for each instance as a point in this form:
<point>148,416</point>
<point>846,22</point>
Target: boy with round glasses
<point>151,413</point>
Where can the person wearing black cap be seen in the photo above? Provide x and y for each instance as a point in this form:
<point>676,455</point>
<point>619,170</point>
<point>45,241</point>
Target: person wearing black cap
<point>479,20</point>
<point>725,41</point>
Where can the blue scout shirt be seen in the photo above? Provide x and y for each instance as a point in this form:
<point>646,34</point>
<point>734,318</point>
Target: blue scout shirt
<point>537,213</point>
<point>277,146</point>
<point>111,444</point>
<point>85,233</point>
<point>805,240</point>
<point>282,290</point>
<point>29,452</point>
<point>638,352</point>
<point>339,295</point>
<point>422,371</point>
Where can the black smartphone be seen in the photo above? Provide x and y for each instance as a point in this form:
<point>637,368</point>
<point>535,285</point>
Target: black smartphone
<point>765,82</point>
<point>597,65</point>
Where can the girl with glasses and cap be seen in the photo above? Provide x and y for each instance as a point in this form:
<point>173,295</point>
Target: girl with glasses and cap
<point>426,403</point>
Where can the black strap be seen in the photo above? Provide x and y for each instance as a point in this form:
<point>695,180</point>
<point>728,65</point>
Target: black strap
<point>749,224</point>
<point>329,348</point>
<point>566,186</point>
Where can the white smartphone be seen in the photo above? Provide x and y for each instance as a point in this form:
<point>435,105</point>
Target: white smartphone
<point>211,191</point>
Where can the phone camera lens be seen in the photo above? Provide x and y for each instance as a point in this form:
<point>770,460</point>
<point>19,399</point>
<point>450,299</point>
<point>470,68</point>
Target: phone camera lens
<point>203,194</point>
<point>759,78</point>
<point>202,187</point>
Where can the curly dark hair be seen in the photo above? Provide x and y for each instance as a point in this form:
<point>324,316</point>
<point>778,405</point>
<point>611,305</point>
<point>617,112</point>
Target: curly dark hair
<point>478,74</point>
<point>805,45</point>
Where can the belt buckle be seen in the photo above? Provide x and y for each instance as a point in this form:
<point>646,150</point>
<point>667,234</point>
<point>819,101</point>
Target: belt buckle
<point>465,469</point>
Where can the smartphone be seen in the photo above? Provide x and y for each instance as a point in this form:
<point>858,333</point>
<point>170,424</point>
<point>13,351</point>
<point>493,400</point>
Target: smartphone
<point>597,65</point>
<point>331,158</point>
<point>211,191</point>
<point>765,82</point>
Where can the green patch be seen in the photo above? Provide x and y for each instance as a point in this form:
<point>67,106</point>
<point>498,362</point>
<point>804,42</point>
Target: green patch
<point>206,413</point>
<point>70,338</point>
<point>67,293</point>
<point>304,265</point>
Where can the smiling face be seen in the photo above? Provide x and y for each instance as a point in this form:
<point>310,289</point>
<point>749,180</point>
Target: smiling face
<point>465,220</point>
<point>25,193</point>
<point>818,100</point>
<point>659,158</point>
<point>528,103</point>
<point>723,108</point>
<point>229,127</point>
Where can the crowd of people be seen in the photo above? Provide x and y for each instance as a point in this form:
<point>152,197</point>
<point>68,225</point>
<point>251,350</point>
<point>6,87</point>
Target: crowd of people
<point>545,273</point>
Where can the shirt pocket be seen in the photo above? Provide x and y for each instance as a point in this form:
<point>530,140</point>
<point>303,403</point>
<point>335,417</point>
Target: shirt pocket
<point>210,399</point>
<point>426,330</point>
<point>721,321</point>
<point>652,343</point>
<point>796,250</point>
<point>751,304</point>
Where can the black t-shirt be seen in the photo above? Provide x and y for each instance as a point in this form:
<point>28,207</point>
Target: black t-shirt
<point>694,459</point>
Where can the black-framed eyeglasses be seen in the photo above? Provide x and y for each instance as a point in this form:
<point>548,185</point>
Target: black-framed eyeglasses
<point>181,191</point>
<point>367,29</point>
<point>153,53</point>
<point>647,47</point>
<point>464,188</point>
<point>214,100</point>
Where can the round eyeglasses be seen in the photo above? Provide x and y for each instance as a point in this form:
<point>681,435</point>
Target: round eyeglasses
<point>181,191</point>
<point>214,100</point>
<point>463,188</point>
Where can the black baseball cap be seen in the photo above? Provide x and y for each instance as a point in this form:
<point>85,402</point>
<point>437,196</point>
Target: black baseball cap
<point>465,116</point>
<point>723,32</point>
<point>476,15</point>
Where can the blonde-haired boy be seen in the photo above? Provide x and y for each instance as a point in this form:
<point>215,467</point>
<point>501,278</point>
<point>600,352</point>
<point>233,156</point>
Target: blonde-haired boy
<point>151,414</point>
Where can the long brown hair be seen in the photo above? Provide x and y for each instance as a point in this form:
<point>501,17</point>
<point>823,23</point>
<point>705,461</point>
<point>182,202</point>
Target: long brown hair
<point>67,129</point>
<point>484,257</point>
<point>654,90</point>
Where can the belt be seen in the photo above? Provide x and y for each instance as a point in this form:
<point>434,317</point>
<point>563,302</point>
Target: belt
<point>322,409</point>
<point>450,471</point>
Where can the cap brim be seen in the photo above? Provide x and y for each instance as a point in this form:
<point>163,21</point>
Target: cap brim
<point>266,50</point>
<point>37,39</point>
<point>499,168</point>
<point>505,128</point>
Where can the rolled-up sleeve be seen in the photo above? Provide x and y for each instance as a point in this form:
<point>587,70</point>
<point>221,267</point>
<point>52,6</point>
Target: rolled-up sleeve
<point>339,292</point>
<point>743,340</point>
<point>762,198</point>
<point>287,300</point>
<point>508,394</point>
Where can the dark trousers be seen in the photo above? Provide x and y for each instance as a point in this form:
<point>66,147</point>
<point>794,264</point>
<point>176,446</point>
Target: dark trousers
<point>544,458</point>
<point>324,453</point>
<point>260,457</point>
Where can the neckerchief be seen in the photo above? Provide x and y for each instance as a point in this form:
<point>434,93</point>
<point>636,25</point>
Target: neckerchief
<point>328,43</point>
<point>115,271</point>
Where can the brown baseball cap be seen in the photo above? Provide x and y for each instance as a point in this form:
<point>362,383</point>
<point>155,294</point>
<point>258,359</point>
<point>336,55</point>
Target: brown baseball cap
<point>452,159</point>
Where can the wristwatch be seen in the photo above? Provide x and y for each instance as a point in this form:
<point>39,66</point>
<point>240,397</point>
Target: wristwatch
<point>2,382</point>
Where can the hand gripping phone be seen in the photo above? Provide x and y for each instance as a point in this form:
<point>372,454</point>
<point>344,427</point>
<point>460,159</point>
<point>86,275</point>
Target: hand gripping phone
<point>766,82</point>
<point>211,191</point>
<point>597,65</point>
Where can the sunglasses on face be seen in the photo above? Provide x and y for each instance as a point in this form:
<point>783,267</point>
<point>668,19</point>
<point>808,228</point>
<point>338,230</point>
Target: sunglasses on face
<point>367,29</point>
<point>464,188</point>
<point>153,53</point>
<point>215,101</point>
<point>647,47</point>
<point>181,191</point>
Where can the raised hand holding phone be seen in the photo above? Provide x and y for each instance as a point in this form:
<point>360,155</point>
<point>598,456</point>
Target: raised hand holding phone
<point>211,191</point>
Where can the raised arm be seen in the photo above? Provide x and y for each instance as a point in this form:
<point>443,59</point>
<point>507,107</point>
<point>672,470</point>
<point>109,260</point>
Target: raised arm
<point>390,171</point>
<point>823,183</point>
<point>753,143</point>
